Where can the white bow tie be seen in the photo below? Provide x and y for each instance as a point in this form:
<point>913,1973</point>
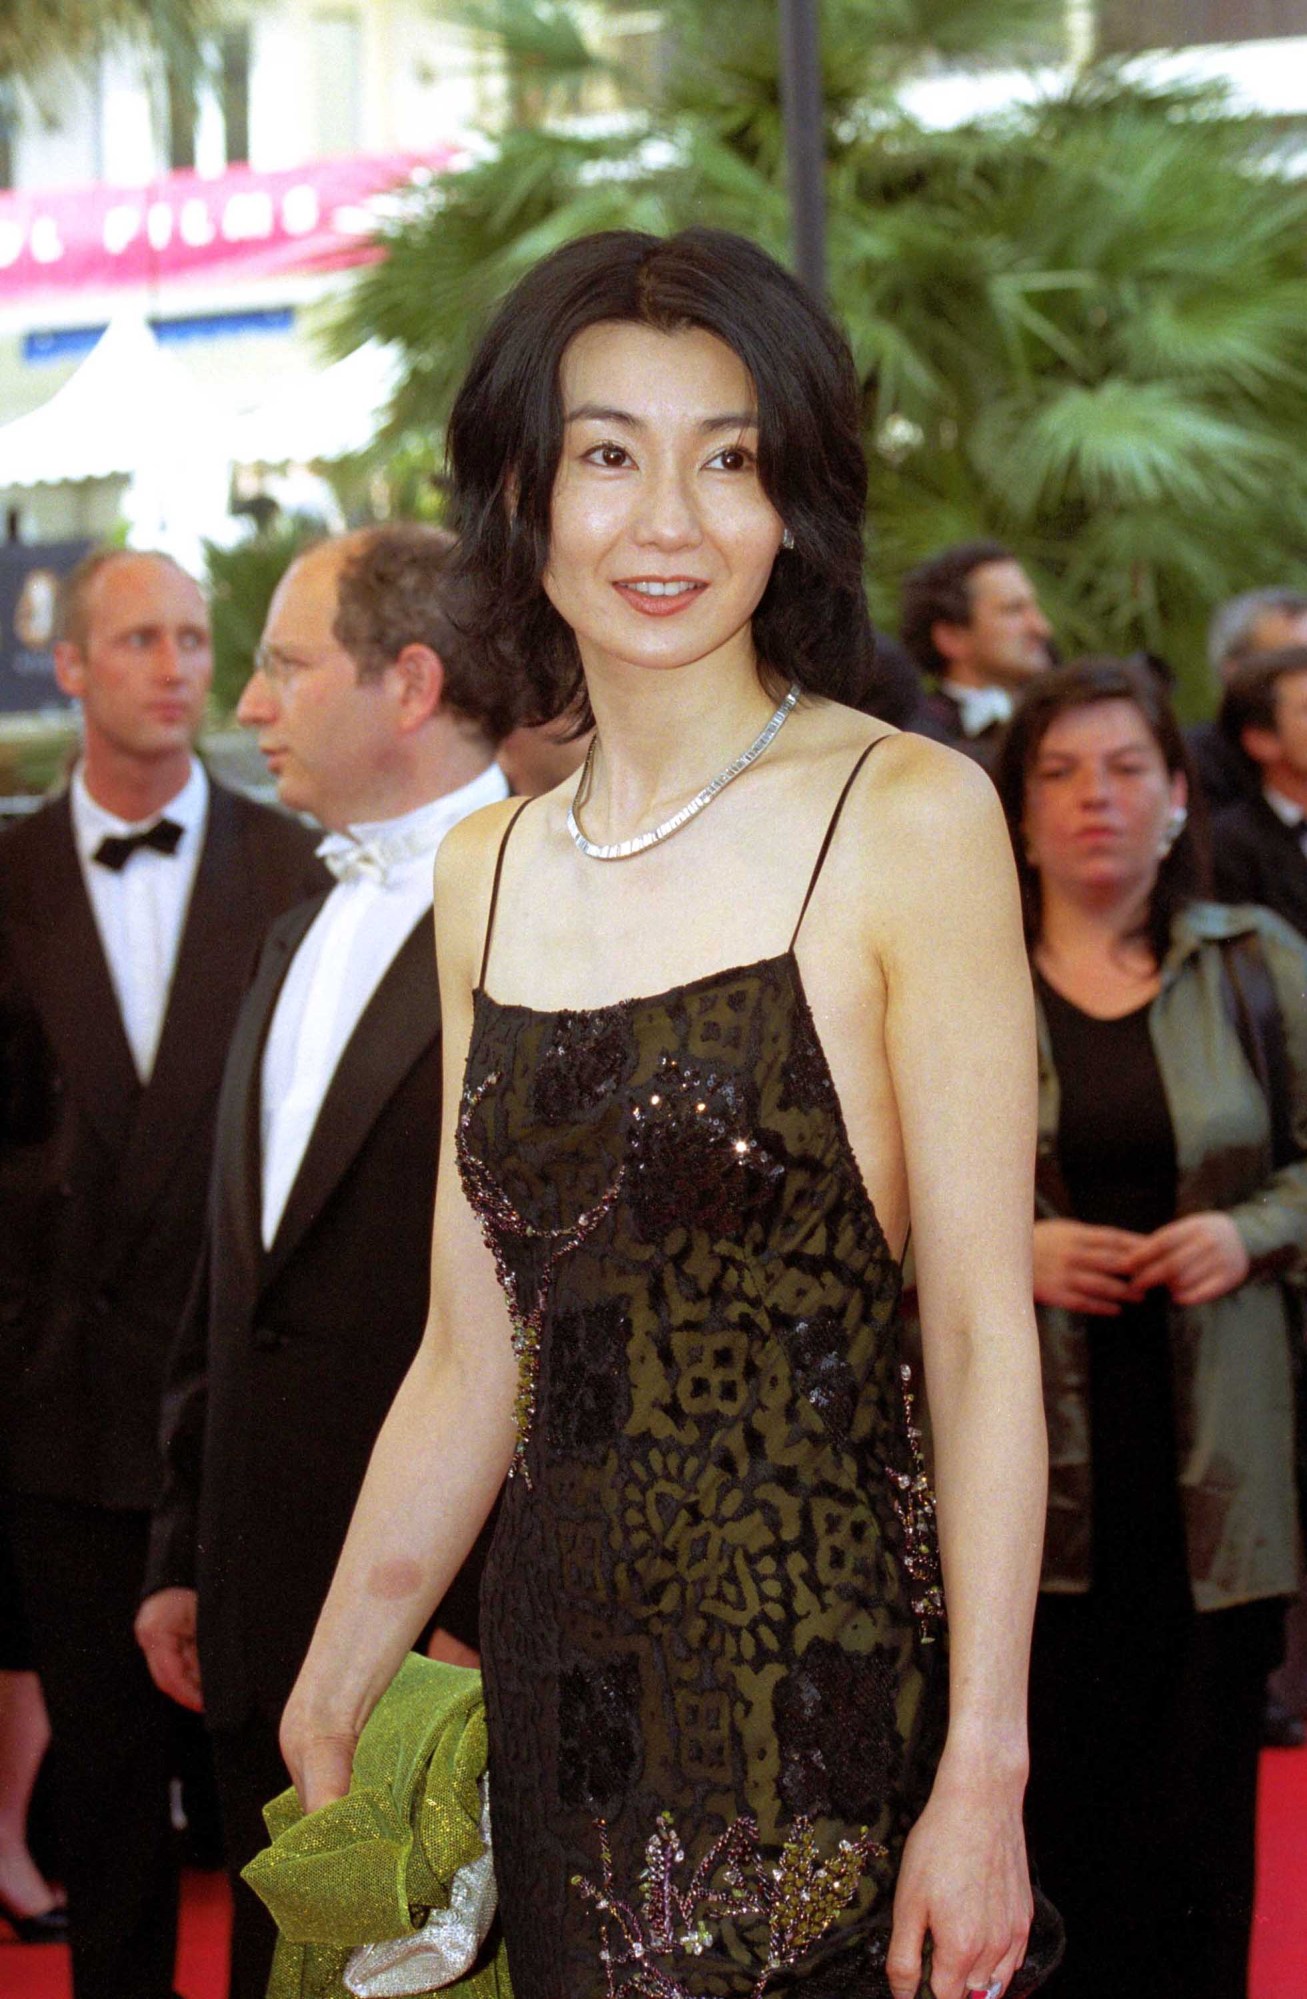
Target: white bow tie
<point>380,857</point>
<point>982,707</point>
<point>353,860</point>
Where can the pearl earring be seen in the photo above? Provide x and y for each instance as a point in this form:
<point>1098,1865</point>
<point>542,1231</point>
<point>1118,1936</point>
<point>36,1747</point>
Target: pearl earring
<point>787,539</point>
<point>1176,821</point>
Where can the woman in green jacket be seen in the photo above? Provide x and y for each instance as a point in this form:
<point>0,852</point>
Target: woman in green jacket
<point>1164,1228</point>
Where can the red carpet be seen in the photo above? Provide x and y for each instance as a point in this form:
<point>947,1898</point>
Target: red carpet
<point>1279,1968</point>
<point>40,1971</point>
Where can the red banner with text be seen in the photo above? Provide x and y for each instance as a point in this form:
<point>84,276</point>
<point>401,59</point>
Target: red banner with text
<point>239,224</point>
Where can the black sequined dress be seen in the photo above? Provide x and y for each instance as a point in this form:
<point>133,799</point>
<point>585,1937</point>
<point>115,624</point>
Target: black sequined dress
<point>711,1617</point>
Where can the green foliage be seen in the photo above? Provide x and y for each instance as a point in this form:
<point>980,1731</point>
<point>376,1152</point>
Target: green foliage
<point>241,581</point>
<point>37,33</point>
<point>1081,326</point>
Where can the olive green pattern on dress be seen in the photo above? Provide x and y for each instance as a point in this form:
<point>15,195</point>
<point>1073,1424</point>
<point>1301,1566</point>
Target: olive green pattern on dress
<point>718,1596</point>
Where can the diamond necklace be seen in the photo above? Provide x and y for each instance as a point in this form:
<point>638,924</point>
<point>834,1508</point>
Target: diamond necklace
<point>622,850</point>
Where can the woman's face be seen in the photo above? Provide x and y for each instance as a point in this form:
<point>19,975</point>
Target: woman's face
<point>661,539</point>
<point>1098,801</point>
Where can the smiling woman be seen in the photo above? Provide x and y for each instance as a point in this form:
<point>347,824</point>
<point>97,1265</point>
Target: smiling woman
<point>693,1099</point>
<point>768,401</point>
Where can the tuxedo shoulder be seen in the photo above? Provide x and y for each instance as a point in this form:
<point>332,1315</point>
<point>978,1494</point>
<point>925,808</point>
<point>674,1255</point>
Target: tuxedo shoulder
<point>284,846</point>
<point>1242,815</point>
<point>31,835</point>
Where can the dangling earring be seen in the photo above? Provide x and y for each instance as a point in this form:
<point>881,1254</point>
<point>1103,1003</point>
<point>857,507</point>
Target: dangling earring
<point>1176,821</point>
<point>787,539</point>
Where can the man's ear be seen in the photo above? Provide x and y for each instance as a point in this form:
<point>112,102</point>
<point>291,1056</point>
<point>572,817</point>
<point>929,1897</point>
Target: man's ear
<point>69,668</point>
<point>419,675</point>
<point>1262,745</point>
<point>949,641</point>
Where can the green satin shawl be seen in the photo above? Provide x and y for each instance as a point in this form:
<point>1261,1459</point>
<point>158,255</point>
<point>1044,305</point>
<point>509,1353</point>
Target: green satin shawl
<point>373,1864</point>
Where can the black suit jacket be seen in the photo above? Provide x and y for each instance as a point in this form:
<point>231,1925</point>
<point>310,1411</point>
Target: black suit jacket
<point>1257,858</point>
<point>288,1359</point>
<point>1226,775</point>
<point>103,1182</point>
<point>941,718</point>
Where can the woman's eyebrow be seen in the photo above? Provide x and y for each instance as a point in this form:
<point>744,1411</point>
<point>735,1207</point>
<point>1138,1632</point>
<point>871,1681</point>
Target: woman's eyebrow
<point>598,413</point>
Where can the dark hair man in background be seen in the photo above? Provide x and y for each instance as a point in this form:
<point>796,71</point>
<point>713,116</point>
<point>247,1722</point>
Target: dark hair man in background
<point>1258,621</point>
<point>1259,844</point>
<point>971,621</point>
<point>314,1294</point>
<point>131,911</point>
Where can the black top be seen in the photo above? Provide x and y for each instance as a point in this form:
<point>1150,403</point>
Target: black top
<point>1116,1148</point>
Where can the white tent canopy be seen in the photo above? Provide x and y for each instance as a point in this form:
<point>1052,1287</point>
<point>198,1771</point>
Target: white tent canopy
<point>129,404</point>
<point>131,411</point>
<point>328,415</point>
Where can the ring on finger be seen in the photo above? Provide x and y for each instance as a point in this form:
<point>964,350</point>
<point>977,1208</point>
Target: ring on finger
<point>991,1991</point>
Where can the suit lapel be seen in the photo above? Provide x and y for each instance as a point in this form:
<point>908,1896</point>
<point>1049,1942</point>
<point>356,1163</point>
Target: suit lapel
<point>400,1022</point>
<point>214,957</point>
<point>239,1147</point>
<point>62,960</point>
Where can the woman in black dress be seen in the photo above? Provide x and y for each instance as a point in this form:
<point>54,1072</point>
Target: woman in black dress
<point>711,1030</point>
<point>1167,1213</point>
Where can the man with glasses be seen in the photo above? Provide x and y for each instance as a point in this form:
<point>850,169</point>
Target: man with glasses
<point>315,1294</point>
<point>131,911</point>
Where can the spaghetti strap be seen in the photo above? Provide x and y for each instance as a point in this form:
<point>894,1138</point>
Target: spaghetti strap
<point>830,835</point>
<point>494,892</point>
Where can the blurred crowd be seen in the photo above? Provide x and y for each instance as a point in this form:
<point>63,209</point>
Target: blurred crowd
<point>219,1094</point>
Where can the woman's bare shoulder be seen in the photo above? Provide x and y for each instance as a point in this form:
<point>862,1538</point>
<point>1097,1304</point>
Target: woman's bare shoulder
<point>922,829</point>
<point>919,781</point>
<point>465,872</point>
<point>470,849</point>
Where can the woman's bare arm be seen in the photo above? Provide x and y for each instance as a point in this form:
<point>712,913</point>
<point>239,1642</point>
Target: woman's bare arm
<point>445,1446</point>
<point>960,1042</point>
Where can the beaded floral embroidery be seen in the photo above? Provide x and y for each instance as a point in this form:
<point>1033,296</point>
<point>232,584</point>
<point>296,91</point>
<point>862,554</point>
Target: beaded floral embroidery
<point>798,1896</point>
<point>499,1219</point>
<point>914,1502</point>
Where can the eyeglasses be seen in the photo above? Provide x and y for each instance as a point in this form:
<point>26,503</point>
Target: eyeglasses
<point>279,668</point>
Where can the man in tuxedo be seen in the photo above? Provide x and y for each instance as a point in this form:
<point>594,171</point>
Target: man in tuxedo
<point>973,624</point>
<point>1259,854</point>
<point>131,911</point>
<point>314,1295</point>
<point>1258,621</point>
<point>1259,845</point>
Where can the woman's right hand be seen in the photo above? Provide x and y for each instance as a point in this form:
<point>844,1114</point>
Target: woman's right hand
<point>319,1756</point>
<point>1084,1268</point>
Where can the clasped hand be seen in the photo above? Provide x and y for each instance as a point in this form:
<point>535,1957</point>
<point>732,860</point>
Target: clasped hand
<point>1084,1268</point>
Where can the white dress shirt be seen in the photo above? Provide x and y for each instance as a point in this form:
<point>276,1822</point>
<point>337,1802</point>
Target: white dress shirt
<point>1290,814</point>
<point>346,952</point>
<point>141,907</point>
<point>978,707</point>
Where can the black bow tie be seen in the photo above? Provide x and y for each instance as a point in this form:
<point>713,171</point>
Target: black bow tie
<point>116,849</point>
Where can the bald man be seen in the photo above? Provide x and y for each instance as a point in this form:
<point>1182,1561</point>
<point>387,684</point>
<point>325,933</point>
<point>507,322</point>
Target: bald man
<point>131,912</point>
<point>318,1259</point>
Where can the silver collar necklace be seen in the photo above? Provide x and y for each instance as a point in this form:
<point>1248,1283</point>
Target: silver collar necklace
<point>622,850</point>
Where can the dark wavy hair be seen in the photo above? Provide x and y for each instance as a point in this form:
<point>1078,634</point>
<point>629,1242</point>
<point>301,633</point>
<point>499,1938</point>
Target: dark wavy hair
<point>506,434</point>
<point>1085,683</point>
<point>396,588</point>
<point>1252,693</point>
<point>938,592</point>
